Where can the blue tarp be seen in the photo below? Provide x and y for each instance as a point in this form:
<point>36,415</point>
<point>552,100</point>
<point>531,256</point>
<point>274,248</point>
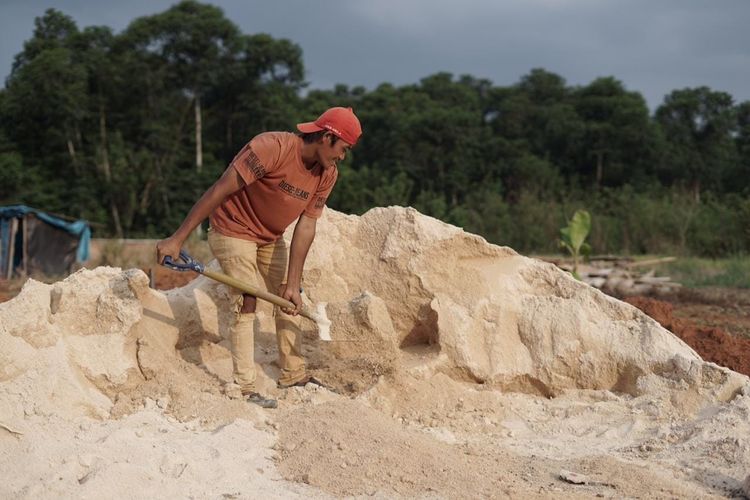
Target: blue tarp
<point>79,228</point>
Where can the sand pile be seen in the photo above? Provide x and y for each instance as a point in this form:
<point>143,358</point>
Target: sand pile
<point>462,369</point>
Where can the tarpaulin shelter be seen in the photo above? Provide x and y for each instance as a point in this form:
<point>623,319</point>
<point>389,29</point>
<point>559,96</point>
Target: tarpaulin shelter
<point>35,242</point>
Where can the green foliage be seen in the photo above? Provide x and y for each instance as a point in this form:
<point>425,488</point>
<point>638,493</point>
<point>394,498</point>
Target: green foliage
<point>104,126</point>
<point>698,125</point>
<point>701,272</point>
<point>573,237</point>
<point>13,176</point>
<point>618,138</point>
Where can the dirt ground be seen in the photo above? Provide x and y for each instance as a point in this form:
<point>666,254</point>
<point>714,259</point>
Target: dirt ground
<point>9,289</point>
<point>725,308</point>
<point>715,322</point>
<point>166,279</point>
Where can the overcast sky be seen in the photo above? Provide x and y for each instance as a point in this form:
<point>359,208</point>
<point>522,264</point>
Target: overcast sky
<point>652,46</point>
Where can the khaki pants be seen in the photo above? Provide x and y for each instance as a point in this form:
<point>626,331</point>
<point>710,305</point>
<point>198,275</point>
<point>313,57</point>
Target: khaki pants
<point>258,266</point>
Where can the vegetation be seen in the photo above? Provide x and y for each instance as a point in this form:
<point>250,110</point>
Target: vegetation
<point>127,129</point>
<point>573,237</point>
<point>732,272</point>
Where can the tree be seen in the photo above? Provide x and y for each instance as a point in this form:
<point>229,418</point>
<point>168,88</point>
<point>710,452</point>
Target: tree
<point>617,132</point>
<point>742,172</point>
<point>698,124</point>
<point>257,90</point>
<point>534,118</point>
<point>194,41</point>
<point>53,30</point>
<point>93,51</point>
<point>15,179</point>
<point>44,108</point>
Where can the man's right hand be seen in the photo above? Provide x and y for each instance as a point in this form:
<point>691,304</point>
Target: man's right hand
<point>170,246</point>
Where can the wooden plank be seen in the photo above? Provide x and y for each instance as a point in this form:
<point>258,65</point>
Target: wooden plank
<point>651,262</point>
<point>11,247</point>
<point>25,246</point>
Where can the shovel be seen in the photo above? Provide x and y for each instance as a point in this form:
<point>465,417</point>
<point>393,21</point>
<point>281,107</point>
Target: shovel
<point>318,315</point>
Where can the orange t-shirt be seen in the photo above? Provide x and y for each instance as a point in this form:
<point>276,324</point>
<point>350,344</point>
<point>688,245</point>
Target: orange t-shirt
<point>278,189</point>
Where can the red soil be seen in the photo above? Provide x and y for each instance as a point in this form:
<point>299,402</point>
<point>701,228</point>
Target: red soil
<point>166,279</point>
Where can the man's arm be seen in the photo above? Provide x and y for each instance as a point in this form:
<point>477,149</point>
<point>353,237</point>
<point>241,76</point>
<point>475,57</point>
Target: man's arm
<point>228,183</point>
<point>302,238</point>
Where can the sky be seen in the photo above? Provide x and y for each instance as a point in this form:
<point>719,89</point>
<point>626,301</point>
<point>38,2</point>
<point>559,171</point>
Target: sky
<point>652,46</point>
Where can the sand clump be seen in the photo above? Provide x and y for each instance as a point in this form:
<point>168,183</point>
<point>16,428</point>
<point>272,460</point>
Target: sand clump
<point>460,369</point>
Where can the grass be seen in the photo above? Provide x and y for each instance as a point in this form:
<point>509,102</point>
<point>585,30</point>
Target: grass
<point>696,272</point>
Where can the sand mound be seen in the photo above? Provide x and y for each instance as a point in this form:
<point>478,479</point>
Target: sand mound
<point>483,313</point>
<point>66,346</point>
<point>463,370</point>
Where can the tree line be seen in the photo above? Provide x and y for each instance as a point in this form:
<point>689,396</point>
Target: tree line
<point>128,129</point>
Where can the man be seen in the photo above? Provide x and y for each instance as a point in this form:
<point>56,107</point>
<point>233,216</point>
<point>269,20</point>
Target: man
<point>278,177</point>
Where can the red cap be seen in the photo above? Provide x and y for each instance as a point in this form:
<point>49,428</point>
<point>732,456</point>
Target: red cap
<point>340,121</point>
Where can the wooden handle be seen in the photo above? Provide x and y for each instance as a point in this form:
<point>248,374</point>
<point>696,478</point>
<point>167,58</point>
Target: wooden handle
<point>257,292</point>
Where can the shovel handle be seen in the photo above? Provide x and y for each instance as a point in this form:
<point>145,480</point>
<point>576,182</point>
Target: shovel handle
<point>187,263</point>
<point>261,294</point>
<point>247,288</point>
<point>257,292</point>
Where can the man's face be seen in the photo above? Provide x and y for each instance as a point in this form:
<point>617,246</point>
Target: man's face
<point>329,155</point>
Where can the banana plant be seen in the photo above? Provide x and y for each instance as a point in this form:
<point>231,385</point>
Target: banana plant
<point>573,237</point>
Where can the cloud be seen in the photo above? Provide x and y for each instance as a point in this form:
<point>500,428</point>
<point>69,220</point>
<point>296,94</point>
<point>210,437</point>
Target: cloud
<point>652,47</point>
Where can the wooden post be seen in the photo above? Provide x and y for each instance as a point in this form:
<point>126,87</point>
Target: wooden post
<point>198,134</point>
<point>11,248</point>
<point>25,245</point>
